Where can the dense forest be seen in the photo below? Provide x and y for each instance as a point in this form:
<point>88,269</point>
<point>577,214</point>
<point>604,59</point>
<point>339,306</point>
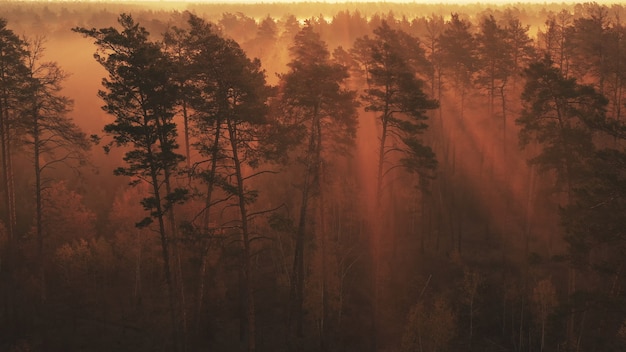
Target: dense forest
<point>312,177</point>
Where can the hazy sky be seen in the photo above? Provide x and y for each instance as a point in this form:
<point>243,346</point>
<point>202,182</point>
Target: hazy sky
<point>353,1</point>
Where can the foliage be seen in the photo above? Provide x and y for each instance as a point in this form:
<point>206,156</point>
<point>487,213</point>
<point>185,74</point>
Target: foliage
<point>457,52</point>
<point>394,60</point>
<point>430,327</point>
<point>282,206</point>
<point>557,114</point>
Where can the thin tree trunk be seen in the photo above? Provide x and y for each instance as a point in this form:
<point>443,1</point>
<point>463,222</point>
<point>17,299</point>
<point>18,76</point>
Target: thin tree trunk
<point>381,160</point>
<point>459,210</point>
<point>186,132</point>
<point>543,333</point>
<point>571,289</point>
<point>8,185</point>
<point>463,103</point>
<point>504,312</point>
<point>137,291</point>
<point>529,208</point>
<point>177,273</point>
<point>156,193</point>
<point>504,125</point>
<point>8,267</point>
<point>297,289</point>
<point>166,258</point>
<point>492,90</point>
<point>439,95</point>
<point>310,177</point>
<point>471,320</point>
<point>206,220</point>
<point>322,235</point>
<point>377,240</point>
<point>521,324</point>
<point>247,269</point>
<point>38,206</point>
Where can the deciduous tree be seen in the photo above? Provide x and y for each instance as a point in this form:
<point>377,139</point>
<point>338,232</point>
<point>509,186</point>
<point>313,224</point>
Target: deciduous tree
<point>54,137</point>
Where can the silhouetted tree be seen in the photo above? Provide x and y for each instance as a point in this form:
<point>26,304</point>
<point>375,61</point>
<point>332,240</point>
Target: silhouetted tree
<point>597,53</point>
<point>494,58</point>
<point>240,93</point>
<point>557,115</point>
<point>519,52</point>
<point>589,39</point>
<point>553,40</point>
<point>175,45</point>
<point>394,61</point>
<point>55,138</point>
<point>245,93</point>
<point>593,223</point>
<point>266,36</point>
<point>522,49</point>
<point>238,26</point>
<point>434,27</point>
<point>141,95</point>
<point>13,74</point>
<point>458,55</point>
<point>313,98</point>
<point>545,301</point>
<point>201,47</point>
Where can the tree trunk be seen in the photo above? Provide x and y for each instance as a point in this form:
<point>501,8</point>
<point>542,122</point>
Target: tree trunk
<point>246,263</point>
<point>137,290</point>
<point>471,332</point>
<point>166,256</point>
<point>492,90</point>
<point>381,159</point>
<point>206,221</point>
<point>311,176</point>
<point>543,333</point>
<point>38,206</point>
<point>504,125</point>
<point>8,185</point>
<point>177,277</point>
<point>377,232</point>
<point>322,233</point>
<point>521,324</point>
<point>7,276</point>
<point>186,132</point>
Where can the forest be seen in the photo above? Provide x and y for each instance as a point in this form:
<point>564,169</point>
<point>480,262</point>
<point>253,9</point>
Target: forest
<point>312,177</point>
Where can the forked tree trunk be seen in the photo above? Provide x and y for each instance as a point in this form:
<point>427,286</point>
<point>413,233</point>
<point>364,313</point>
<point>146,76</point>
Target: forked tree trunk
<point>166,256</point>
<point>177,274</point>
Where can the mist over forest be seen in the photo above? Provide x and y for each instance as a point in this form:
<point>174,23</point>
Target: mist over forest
<point>312,177</point>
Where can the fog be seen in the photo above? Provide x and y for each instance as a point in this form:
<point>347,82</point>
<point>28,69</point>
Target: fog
<point>482,235</point>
